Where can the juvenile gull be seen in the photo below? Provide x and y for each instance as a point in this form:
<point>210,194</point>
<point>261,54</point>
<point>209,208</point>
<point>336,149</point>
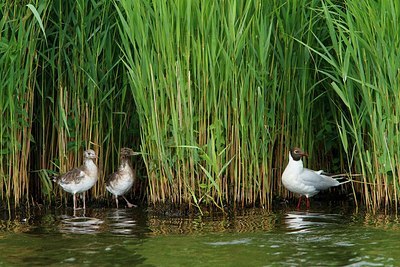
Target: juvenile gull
<point>119,182</point>
<point>80,179</point>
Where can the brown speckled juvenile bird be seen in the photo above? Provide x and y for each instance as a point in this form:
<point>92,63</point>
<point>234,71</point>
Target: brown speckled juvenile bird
<point>80,179</point>
<point>119,182</point>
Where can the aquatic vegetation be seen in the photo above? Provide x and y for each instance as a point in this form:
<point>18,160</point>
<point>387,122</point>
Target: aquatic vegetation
<point>213,94</point>
<point>362,66</point>
<point>65,91</point>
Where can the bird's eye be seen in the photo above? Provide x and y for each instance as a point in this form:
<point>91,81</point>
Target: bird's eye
<point>296,152</point>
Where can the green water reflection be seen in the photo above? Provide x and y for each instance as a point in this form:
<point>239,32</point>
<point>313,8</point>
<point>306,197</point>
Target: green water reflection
<point>110,237</point>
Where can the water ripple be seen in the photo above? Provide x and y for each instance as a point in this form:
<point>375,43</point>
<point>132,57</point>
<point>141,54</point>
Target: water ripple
<point>232,242</point>
<point>80,225</point>
<point>120,222</point>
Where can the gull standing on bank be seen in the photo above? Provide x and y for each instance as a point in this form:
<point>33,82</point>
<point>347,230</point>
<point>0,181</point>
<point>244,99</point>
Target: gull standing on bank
<point>303,181</point>
<point>80,179</point>
<point>119,182</point>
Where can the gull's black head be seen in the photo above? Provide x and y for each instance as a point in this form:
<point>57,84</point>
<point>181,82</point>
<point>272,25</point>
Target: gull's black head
<point>297,153</point>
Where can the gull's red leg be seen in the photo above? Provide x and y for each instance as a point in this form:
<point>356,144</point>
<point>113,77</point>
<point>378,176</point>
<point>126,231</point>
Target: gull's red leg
<point>299,203</point>
<point>308,203</point>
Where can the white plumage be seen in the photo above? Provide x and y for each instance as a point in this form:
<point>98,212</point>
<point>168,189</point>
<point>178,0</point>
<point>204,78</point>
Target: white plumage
<point>303,181</point>
<point>123,181</point>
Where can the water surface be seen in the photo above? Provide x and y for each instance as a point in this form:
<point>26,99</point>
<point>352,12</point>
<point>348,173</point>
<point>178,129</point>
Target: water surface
<point>136,237</point>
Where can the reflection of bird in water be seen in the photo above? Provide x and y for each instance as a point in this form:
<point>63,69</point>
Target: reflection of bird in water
<point>121,222</point>
<point>299,222</point>
<point>303,181</point>
<point>80,179</point>
<point>119,182</point>
<point>303,222</point>
<point>81,225</point>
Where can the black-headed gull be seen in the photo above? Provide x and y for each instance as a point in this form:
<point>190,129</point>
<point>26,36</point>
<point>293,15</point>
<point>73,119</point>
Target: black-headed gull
<point>303,181</point>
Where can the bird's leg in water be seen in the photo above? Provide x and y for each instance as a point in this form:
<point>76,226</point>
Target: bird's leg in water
<point>299,203</point>
<point>130,205</point>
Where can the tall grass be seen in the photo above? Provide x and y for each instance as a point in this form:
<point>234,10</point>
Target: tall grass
<point>213,94</point>
<point>65,92</point>
<point>20,35</point>
<point>86,96</point>
<point>363,63</point>
<point>222,91</point>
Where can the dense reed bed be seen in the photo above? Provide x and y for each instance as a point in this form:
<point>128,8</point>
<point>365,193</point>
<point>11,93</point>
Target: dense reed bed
<point>363,67</point>
<point>222,91</point>
<point>73,94</point>
<point>212,93</point>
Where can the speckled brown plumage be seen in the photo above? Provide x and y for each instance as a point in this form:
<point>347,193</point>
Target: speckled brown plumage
<point>121,181</point>
<point>80,179</point>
